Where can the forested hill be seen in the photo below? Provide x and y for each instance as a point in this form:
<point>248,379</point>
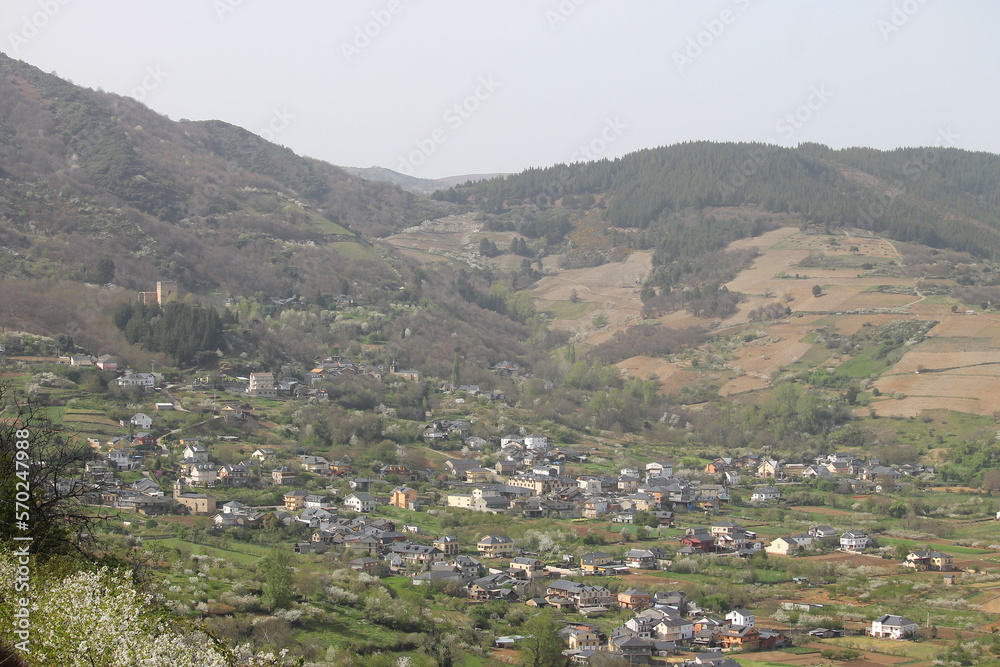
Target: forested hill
<point>942,197</point>
<point>86,174</point>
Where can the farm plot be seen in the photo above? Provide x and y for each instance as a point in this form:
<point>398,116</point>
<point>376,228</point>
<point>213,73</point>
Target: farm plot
<point>848,325</point>
<point>965,326</point>
<point>873,300</point>
<point>961,391</point>
<point>948,370</point>
<point>671,376</point>
<point>610,290</point>
<point>966,360</point>
<point>743,384</point>
<point>88,417</point>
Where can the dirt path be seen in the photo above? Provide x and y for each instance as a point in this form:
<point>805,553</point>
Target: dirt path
<point>899,258</point>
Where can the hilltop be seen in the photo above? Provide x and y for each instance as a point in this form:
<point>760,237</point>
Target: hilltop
<point>196,202</point>
<point>421,186</point>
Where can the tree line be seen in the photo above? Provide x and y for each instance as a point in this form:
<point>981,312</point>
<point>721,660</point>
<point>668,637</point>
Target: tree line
<point>942,197</point>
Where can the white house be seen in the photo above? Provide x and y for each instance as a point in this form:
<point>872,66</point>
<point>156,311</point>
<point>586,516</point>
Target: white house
<point>262,384</point>
<point>360,502</point>
<point>659,469</point>
<point>892,627</point>
<point>854,541</point>
<point>143,380</point>
<point>142,421</point>
<point>196,452</point>
<point>121,459</point>
<point>263,454</point>
<point>763,494</point>
<point>235,507</point>
<point>740,617</point>
<point>536,442</point>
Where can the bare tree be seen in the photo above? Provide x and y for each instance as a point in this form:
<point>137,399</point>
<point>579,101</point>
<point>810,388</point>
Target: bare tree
<point>46,502</point>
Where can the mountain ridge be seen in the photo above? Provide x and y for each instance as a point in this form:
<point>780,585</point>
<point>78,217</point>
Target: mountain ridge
<point>423,186</point>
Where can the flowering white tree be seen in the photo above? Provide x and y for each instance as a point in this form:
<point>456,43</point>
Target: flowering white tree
<point>101,619</point>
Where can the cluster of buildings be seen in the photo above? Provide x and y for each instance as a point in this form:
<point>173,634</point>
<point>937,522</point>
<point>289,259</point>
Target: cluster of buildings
<point>851,473</point>
<point>531,480</point>
<point>663,624</point>
<point>818,537</point>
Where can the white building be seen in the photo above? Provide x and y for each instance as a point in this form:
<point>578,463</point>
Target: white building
<point>262,385</point>
<point>141,421</point>
<point>892,627</point>
<point>659,469</point>
<point>854,541</point>
<point>196,452</point>
<point>763,494</point>
<point>360,502</point>
<point>740,617</point>
<point>536,442</point>
<point>145,381</point>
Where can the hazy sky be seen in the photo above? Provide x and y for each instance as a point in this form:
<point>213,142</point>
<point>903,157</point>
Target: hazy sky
<point>439,88</point>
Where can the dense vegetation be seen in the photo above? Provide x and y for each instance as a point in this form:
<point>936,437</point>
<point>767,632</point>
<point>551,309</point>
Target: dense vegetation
<point>941,197</point>
<point>183,331</point>
<point>206,204</point>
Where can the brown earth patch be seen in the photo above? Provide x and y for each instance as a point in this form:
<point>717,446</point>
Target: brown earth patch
<point>964,392</point>
<point>672,376</point>
<point>646,580</point>
<point>854,560</point>
<point>878,300</point>
<point>743,384</point>
<point>954,325</point>
<point>612,288</point>
<point>507,655</point>
<point>953,489</point>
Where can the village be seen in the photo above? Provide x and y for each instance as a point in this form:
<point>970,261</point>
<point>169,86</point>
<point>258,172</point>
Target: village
<point>532,478</point>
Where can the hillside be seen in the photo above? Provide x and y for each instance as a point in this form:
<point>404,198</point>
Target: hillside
<point>96,189</point>
<point>639,261</point>
<point>941,197</point>
<point>204,203</point>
